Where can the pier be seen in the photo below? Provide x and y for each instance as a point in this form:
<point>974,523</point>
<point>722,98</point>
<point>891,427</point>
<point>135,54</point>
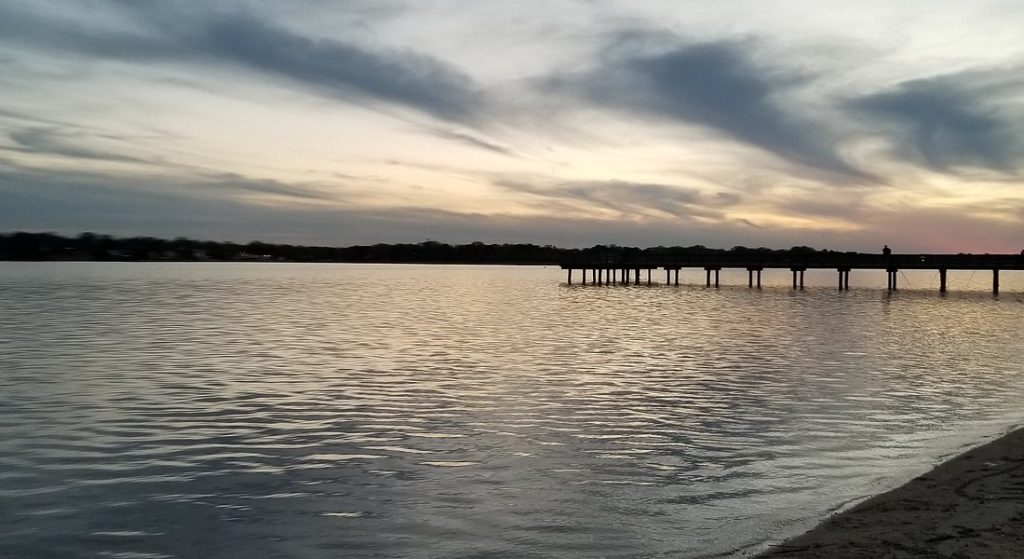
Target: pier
<point>625,270</point>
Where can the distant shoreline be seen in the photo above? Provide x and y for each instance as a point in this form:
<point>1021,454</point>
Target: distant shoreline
<point>91,247</point>
<point>969,506</point>
<point>171,261</point>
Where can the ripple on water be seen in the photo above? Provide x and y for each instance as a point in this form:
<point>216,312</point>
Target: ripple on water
<point>156,411</point>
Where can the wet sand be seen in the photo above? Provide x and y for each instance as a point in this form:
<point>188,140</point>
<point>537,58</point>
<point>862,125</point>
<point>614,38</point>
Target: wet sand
<point>970,506</point>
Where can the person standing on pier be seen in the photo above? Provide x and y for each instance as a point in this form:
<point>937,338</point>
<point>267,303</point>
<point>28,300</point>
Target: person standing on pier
<point>886,251</point>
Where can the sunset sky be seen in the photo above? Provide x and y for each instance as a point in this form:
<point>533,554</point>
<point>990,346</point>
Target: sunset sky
<point>840,125</point>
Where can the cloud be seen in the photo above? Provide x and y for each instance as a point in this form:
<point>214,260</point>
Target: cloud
<point>72,203</point>
<point>218,207</point>
<point>235,183</point>
<point>740,115</point>
<point>630,199</point>
<point>69,203</point>
<point>68,143</point>
<point>470,140</point>
<point>716,85</point>
<point>196,35</point>
<point>399,77</point>
<point>55,141</point>
<point>949,121</point>
<point>124,191</point>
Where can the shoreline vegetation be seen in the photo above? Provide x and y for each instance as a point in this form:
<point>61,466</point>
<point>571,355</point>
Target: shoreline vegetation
<point>969,506</point>
<point>23,246</point>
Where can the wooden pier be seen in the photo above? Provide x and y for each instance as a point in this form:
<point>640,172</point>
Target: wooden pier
<point>625,271</point>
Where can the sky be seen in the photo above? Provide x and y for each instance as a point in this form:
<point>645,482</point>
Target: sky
<point>842,125</point>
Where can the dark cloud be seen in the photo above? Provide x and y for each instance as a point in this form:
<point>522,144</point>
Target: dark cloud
<point>470,140</point>
<point>403,78</point>
<point>70,144</point>
<point>35,120</point>
<point>235,183</point>
<point>57,30</point>
<point>723,199</point>
<point>71,203</point>
<point>948,121</point>
<point>56,141</point>
<point>105,193</point>
<point>628,198</point>
<point>716,85</point>
<point>333,67</point>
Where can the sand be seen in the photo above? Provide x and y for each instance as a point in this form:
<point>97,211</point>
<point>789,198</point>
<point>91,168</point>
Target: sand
<point>970,506</point>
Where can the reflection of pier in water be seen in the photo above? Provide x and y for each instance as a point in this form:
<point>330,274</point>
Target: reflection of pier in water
<point>625,270</point>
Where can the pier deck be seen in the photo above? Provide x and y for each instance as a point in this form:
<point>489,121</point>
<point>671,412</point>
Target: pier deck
<point>605,271</point>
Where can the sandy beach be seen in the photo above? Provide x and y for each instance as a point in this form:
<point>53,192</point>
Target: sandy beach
<point>970,506</point>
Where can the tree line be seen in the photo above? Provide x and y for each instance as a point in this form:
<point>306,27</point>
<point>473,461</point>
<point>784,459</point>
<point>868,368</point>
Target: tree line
<point>91,246</point>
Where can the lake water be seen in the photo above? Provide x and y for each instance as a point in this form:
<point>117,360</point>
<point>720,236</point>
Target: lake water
<point>313,411</point>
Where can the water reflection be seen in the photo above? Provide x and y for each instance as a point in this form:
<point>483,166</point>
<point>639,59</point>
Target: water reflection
<point>268,410</point>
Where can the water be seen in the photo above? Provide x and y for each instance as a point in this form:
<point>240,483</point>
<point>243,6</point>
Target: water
<point>261,410</point>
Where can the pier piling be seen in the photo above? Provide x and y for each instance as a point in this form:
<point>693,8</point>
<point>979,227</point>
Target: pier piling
<point>708,270</point>
<point>750,276</point>
<point>891,272</point>
<point>844,279</point>
<point>798,284</point>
